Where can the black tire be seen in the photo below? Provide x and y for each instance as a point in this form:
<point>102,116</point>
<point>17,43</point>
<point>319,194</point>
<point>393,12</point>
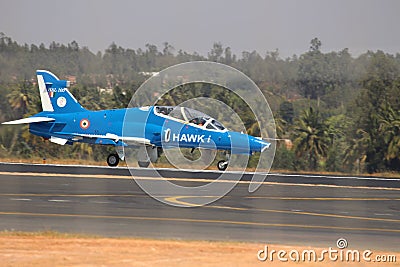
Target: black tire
<point>113,160</point>
<point>222,165</point>
<point>143,164</point>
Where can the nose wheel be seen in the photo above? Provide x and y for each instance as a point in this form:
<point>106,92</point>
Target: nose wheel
<point>222,165</point>
<point>113,160</point>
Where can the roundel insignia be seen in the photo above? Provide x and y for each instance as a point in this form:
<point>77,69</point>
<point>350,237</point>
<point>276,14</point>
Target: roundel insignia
<point>84,124</point>
<point>61,101</point>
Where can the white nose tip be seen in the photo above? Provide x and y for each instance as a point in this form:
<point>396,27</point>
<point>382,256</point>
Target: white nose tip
<point>265,145</point>
<point>261,144</point>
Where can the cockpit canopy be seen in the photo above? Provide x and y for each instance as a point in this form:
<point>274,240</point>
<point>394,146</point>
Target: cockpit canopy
<point>191,116</point>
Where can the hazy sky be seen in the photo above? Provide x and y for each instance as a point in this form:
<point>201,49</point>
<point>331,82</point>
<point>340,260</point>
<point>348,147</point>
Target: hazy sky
<point>359,25</point>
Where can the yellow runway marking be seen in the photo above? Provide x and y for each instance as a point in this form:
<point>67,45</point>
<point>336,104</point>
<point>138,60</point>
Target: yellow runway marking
<point>72,195</point>
<point>244,197</point>
<point>327,198</point>
<point>85,216</point>
<point>191,180</point>
<point>99,176</point>
<point>178,200</point>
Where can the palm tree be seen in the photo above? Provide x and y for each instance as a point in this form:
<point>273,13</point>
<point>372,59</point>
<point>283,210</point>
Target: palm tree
<point>389,126</point>
<point>280,125</point>
<point>19,100</point>
<point>356,152</point>
<point>311,137</point>
<point>24,99</point>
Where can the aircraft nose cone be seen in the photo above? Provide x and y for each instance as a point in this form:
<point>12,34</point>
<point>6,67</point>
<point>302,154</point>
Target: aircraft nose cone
<point>243,143</point>
<point>265,145</point>
<point>260,145</point>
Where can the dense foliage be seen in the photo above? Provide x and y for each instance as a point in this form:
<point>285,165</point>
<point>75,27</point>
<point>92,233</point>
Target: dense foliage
<point>341,113</point>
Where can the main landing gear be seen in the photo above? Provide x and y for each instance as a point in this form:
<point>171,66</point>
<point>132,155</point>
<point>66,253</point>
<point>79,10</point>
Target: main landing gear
<point>145,155</point>
<point>113,159</point>
<point>143,164</point>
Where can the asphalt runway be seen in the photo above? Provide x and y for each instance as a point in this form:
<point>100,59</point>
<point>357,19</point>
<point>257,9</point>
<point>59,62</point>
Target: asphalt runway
<point>286,209</point>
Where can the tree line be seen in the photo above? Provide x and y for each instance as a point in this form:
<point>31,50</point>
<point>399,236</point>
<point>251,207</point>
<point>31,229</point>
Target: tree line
<point>342,113</point>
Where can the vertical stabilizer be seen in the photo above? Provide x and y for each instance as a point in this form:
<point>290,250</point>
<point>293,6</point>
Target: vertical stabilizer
<point>54,94</point>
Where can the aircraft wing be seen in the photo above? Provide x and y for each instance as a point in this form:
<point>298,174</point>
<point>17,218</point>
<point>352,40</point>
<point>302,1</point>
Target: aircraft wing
<point>136,140</point>
<point>30,120</point>
<point>113,137</point>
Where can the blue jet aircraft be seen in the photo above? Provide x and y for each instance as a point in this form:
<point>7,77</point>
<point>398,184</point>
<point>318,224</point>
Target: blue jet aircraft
<point>152,128</point>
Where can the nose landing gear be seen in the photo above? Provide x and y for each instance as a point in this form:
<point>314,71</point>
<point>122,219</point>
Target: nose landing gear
<point>223,164</point>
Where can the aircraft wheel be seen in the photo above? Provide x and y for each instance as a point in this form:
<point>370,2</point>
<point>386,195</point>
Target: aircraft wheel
<point>222,165</point>
<point>143,164</point>
<point>113,160</point>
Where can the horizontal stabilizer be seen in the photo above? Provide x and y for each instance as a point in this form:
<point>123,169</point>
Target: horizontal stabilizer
<point>29,120</point>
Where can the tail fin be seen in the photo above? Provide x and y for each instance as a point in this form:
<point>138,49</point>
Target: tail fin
<point>54,94</point>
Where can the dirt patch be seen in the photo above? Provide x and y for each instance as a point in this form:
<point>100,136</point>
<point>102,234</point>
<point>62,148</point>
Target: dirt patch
<point>44,250</point>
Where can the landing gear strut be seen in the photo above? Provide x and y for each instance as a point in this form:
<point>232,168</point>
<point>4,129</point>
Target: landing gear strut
<point>147,154</point>
<point>113,160</point>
